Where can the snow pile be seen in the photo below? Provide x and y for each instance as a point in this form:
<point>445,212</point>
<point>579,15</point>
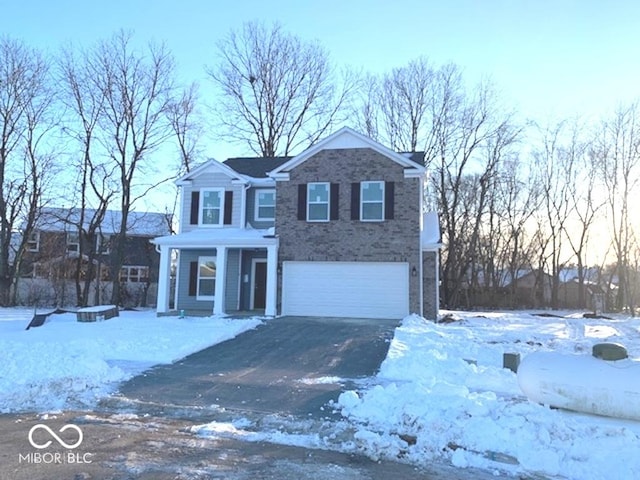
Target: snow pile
<point>442,395</point>
<point>70,364</point>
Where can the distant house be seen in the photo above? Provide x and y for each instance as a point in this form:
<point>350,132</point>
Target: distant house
<point>50,262</point>
<point>336,231</point>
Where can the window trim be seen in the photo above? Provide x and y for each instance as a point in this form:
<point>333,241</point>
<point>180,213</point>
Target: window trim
<point>221,193</point>
<point>327,203</point>
<point>106,243</point>
<point>128,270</point>
<point>202,259</point>
<point>382,201</point>
<point>68,243</point>
<point>36,235</point>
<point>256,215</point>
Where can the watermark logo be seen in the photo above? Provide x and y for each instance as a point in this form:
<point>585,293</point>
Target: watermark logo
<point>56,437</point>
<point>55,457</point>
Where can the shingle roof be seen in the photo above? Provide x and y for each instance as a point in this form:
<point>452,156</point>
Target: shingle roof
<point>139,223</point>
<point>256,167</point>
<point>415,157</point>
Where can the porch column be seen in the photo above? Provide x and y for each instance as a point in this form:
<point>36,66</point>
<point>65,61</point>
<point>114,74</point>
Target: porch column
<point>221,280</point>
<point>272,280</point>
<point>164,280</point>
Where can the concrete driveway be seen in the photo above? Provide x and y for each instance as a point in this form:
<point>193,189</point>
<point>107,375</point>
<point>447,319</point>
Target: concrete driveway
<point>289,365</point>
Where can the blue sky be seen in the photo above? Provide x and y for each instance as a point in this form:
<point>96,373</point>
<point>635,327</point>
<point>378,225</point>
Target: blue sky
<point>548,58</point>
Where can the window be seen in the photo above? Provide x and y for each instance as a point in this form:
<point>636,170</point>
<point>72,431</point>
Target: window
<point>372,201</point>
<point>265,205</point>
<point>73,242</point>
<point>211,207</point>
<point>134,274</point>
<point>33,242</point>
<point>318,202</point>
<point>103,244</point>
<point>206,278</point>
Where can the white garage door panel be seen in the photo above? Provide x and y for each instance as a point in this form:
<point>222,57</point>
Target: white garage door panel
<point>346,289</point>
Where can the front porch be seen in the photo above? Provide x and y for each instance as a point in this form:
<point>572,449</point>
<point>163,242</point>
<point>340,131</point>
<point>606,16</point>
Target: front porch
<point>221,271</point>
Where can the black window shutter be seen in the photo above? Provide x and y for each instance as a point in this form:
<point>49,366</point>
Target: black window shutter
<point>302,201</point>
<point>195,207</point>
<point>355,201</point>
<point>389,189</point>
<point>335,201</point>
<point>228,206</point>
<point>193,279</point>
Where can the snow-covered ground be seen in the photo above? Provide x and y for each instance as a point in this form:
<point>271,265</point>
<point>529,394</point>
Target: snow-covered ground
<point>441,396</point>
<point>69,364</point>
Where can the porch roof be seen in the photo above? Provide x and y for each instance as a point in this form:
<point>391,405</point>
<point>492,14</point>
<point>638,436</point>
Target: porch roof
<point>212,237</point>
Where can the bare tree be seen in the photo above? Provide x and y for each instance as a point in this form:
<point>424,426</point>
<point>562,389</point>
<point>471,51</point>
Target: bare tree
<point>278,93</point>
<point>404,99</point>
<point>617,150</point>
<point>585,205</point>
<point>186,126</point>
<point>137,88</point>
<point>25,101</point>
<point>468,135</point>
<point>96,186</point>
<point>556,162</point>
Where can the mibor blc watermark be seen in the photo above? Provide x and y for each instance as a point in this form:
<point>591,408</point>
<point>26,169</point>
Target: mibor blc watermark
<point>55,457</point>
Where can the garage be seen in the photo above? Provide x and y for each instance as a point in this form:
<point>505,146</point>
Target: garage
<point>346,289</point>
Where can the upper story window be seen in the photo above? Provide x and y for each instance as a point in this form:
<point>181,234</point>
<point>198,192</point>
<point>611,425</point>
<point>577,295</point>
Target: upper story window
<point>103,244</point>
<point>265,205</point>
<point>134,274</point>
<point>211,206</point>
<point>318,202</point>
<point>33,242</point>
<point>73,242</point>
<point>372,201</point>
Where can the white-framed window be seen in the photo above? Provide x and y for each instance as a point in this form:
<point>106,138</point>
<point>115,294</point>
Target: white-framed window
<point>103,244</point>
<point>265,205</point>
<point>318,202</point>
<point>73,242</point>
<point>134,274</point>
<point>206,278</point>
<point>372,201</point>
<point>212,206</point>
<point>33,242</point>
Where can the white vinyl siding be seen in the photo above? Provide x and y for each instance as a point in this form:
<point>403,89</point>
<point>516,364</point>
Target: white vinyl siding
<point>346,289</point>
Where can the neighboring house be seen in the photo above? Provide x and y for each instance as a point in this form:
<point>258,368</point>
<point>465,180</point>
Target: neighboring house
<point>53,250</point>
<point>338,230</point>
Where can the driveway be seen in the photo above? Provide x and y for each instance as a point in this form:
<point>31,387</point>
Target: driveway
<point>288,365</point>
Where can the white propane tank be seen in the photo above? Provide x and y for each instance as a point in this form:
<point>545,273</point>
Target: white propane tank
<point>582,383</point>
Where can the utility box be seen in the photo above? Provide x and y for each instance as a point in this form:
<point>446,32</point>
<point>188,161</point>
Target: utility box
<point>609,351</point>
<point>511,361</point>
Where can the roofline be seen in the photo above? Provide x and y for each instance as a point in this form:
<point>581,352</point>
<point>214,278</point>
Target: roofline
<point>281,173</point>
<point>212,162</point>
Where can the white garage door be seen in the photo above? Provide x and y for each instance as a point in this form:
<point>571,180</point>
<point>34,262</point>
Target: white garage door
<point>346,289</point>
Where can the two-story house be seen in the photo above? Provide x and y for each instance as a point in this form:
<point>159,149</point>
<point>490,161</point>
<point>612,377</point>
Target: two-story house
<point>50,261</point>
<point>338,230</point>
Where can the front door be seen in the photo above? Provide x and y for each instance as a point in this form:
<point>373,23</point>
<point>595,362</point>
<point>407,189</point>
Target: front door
<point>259,293</point>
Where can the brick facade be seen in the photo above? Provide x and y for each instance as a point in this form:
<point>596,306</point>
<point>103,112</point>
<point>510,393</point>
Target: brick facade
<point>394,240</point>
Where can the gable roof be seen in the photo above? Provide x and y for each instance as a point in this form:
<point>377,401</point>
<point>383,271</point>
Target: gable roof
<point>209,164</point>
<point>347,138</point>
<point>256,167</point>
<point>138,223</point>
